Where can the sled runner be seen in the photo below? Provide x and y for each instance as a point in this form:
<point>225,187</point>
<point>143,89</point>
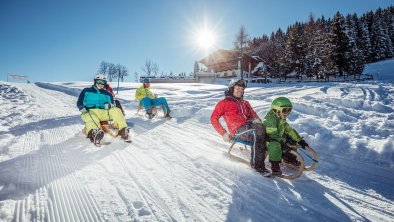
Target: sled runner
<point>289,171</point>
<point>155,110</point>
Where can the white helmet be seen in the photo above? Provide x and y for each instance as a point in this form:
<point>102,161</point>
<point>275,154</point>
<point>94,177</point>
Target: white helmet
<point>100,76</point>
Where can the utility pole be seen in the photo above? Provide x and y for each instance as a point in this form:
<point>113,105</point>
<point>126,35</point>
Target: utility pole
<point>117,90</point>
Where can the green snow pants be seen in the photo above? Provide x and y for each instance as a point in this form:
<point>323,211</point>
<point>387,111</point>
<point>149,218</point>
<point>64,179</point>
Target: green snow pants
<point>274,151</point>
<point>93,117</point>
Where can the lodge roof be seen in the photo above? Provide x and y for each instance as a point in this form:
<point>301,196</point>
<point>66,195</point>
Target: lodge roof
<point>222,55</point>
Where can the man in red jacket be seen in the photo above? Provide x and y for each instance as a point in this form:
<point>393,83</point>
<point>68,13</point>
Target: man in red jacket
<point>242,122</point>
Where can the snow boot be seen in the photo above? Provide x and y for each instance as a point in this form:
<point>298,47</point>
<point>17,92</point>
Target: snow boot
<point>124,134</point>
<point>275,168</point>
<point>95,136</point>
<point>290,158</point>
<point>262,170</point>
<point>167,114</point>
<point>150,113</point>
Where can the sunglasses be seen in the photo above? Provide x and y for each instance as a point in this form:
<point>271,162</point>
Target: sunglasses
<point>285,110</point>
<point>102,82</point>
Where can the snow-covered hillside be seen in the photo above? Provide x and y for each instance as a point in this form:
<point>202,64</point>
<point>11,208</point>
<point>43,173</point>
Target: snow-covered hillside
<point>175,170</point>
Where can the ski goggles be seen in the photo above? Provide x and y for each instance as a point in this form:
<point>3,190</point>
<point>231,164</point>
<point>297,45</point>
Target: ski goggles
<point>285,110</point>
<point>102,82</point>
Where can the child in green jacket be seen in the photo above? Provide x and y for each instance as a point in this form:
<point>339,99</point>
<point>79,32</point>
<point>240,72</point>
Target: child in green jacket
<point>279,133</point>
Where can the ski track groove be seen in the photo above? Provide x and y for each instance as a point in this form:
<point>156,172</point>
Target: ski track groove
<point>191,168</point>
<point>144,194</point>
<point>144,189</point>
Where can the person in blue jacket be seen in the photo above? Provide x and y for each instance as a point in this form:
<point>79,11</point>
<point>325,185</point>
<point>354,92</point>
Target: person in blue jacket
<point>97,104</point>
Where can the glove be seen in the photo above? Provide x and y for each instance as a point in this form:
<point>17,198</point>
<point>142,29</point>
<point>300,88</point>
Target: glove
<point>107,106</point>
<point>226,137</point>
<point>303,144</point>
<point>83,109</point>
<point>256,121</point>
<point>155,95</point>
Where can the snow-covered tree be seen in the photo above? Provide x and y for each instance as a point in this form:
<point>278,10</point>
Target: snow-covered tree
<point>295,48</point>
<point>338,46</point>
<point>355,57</point>
<point>380,40</point>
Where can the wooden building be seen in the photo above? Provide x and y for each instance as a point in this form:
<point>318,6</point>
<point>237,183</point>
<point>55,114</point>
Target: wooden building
<point>226,63</point>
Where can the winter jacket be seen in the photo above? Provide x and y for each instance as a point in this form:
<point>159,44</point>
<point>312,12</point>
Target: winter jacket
<point>277,128</point>
<point>109,88</point>
<point>236,113</point>
<point>143,92</point>
<point>94,98</point>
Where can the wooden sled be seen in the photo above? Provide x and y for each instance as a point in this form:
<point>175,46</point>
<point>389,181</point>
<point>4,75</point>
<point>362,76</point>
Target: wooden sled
<point>289,171</point>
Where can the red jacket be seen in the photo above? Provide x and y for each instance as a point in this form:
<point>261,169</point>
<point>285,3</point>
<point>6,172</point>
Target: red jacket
<point>236,114</point>
<point>109,88</point>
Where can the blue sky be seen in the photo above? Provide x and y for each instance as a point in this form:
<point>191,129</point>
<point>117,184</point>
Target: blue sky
<point>65,40</point>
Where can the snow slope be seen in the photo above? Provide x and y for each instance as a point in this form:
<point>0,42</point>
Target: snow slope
<point>175,170</point>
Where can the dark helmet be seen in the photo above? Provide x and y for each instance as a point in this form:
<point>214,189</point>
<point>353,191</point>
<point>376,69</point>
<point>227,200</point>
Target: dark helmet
<point>235,82</point>
<point>282,104</point>
<point>146,80</point>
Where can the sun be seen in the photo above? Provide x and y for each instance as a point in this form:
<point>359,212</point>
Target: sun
<point>205,39</point>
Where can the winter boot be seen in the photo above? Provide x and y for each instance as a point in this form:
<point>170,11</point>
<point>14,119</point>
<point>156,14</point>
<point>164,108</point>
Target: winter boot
<point>275,168</point>
<point>124,134</point>
<point>167,115</point>
<point>150,113</point>
<point>95,135</point>
<point>290,158</point>
<point>262,170</point>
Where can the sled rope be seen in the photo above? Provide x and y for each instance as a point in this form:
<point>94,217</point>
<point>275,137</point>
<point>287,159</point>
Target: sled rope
<point>309,156</point>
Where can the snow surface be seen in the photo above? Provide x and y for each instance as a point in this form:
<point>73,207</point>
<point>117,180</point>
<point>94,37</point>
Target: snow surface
<point>175,170</point>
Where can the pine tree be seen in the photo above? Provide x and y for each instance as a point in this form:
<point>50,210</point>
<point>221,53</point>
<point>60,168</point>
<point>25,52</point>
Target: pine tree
<point>295,49</point>
<point>338,44</point>
<point>196,67</point>
<point>355,63</point>
<point>380,40</point>
<point>314,34</point>
<point>279,43</point>
<point>364,41</point>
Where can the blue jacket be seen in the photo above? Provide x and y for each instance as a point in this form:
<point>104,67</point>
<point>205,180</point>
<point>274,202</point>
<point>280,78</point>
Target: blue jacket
<point>94,98</point>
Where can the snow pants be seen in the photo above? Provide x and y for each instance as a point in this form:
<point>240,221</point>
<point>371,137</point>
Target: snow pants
<point>161,101</point>
<point>276,149</point>
<point>93,117</point>
<point>254,133</point>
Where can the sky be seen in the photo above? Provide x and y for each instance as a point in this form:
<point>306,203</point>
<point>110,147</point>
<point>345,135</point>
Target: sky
<point>176,170</point>
<point>67,40</point>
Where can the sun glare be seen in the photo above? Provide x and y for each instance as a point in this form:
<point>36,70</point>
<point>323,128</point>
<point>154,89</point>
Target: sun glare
<point>205,39</point>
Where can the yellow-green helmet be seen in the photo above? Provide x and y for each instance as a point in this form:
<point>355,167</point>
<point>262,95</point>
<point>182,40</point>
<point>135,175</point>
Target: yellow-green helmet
<point>279,103</point>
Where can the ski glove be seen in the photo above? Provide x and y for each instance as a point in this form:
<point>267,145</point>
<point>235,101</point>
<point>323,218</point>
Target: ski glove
<point>303,144</point>
<point>83,109</point>
<point>107,106</point>
<point>226,137</point>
